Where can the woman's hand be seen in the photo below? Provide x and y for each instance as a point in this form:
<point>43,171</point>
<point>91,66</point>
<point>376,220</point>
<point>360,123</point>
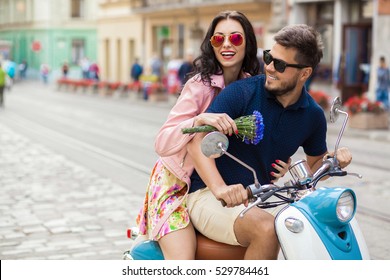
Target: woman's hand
<point>281,167</point>
<point>222,122</point>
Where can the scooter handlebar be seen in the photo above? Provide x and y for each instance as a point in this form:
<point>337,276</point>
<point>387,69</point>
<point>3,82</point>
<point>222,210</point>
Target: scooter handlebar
<point>253,190</point>
<point>250,195</point>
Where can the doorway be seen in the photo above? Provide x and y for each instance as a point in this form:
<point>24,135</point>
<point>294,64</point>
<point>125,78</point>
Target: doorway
<point>354,63</point>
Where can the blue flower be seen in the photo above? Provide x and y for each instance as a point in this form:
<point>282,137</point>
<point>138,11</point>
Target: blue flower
<point>250,128</point>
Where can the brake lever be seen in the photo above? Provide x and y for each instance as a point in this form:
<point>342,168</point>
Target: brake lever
<point>255,189</point>
<point>260,199</point>
<point>355,174</point>
<point>257,202</point>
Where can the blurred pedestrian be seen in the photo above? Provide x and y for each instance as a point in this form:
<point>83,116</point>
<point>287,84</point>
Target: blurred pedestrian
<point>173,81</point>
<point>45,70</point>
<point>156,66</point>
<point>65,70</point>
<point>23,69</point>
<point>10,69</point>
<point>185,68</point>
<point>136,70</point>
<point>148,80</point>
<point>85,64</point>
<point>383,83</point>
<point>3,76</point>
<point>94,71</point>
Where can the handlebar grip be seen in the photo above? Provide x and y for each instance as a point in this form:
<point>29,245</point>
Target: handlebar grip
<point>250,195</point>
<point>338,173</point>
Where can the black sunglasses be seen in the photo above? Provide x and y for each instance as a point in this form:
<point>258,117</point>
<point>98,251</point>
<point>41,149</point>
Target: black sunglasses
<point>279,65</point>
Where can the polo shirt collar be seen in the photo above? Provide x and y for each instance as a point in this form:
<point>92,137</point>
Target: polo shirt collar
<point>302,102</point>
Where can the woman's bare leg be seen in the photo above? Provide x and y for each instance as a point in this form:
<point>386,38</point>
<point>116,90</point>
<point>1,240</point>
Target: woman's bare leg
<point>179,244</point>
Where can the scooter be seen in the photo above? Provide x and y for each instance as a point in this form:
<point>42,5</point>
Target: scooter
<point>312,223</point>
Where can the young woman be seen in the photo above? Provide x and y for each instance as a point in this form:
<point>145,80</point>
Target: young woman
<point>228,53</point>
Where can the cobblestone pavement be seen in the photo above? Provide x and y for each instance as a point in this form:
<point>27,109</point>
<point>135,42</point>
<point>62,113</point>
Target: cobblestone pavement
<point>52,208</point>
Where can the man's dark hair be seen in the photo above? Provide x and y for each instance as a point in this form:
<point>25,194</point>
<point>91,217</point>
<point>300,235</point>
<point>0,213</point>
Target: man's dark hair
<point>305,39</point>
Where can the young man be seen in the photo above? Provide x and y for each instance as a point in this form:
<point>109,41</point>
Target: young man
<point>292,119</point>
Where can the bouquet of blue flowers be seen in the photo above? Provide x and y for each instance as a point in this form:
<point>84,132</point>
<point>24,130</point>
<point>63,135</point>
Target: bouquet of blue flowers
<point>250,128</point>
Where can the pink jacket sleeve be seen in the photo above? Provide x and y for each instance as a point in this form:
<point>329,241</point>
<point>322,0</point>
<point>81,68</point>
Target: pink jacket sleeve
<point>194,99</point>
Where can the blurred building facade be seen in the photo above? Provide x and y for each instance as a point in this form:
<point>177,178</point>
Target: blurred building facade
<point>354,33</point>
<point>47,31</point>
<point>115,32</point>
<point>166,28</point>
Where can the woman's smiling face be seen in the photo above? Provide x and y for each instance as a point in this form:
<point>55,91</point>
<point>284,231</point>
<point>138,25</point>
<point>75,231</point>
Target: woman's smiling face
<point>228,54</point>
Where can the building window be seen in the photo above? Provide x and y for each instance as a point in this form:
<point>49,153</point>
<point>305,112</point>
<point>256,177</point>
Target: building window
<point>324,25</point>
<point>78,50</point>
<point>21,12</point>
<point>77,9</point>
<point>367,9</point>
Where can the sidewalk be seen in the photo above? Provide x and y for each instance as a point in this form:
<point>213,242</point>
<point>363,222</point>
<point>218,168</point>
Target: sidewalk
<point>372,134</point>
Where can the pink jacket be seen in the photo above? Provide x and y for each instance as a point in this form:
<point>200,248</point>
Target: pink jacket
<point>171,143</point>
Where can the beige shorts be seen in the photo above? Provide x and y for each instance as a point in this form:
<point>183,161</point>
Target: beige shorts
<point>218,226</point>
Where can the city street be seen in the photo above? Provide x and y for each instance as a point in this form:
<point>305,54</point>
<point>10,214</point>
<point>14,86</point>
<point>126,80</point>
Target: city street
<point>74,167</point>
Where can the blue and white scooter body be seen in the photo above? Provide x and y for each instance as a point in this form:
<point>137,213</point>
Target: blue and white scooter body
<point>321,227</point>
<point>144,249</point>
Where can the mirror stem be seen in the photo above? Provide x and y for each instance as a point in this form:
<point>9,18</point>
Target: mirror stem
<point>257,184</point>
<point>341,131</point>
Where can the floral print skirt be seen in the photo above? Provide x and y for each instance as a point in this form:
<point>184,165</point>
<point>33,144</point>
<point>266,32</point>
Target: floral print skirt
<point>163,190</point>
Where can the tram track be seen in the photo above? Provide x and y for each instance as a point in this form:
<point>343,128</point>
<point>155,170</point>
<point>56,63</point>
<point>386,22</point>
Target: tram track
<point>42,131</point>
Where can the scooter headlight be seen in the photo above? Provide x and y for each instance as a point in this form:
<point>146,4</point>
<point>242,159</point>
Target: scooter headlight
<point>332,206</point>
<point>345,208</point>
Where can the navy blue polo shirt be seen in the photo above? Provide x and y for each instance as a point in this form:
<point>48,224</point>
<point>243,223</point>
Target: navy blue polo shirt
<point>302,124</point>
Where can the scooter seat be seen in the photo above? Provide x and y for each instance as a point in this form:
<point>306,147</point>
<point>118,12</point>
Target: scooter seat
<point>208,249</point>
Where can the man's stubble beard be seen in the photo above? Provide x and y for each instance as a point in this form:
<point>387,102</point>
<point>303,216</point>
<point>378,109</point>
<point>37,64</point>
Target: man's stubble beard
<point>284,89</point>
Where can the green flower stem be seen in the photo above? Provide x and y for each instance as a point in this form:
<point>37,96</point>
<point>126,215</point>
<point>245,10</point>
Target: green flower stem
<point>202,128</point>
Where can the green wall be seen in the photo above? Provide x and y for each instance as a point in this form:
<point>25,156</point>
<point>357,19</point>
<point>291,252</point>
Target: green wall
<point>56,47</point>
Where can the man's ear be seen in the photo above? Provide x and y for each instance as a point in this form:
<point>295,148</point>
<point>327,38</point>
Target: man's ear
<point>306,73</point>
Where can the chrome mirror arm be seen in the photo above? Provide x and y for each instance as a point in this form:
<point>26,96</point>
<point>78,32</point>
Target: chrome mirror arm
<point>222,147</point>
<point>341,132</point>
<point>335,110</point>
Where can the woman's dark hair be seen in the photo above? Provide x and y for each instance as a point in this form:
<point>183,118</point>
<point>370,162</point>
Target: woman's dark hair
<point>206,64</point>
<point>305,39</point>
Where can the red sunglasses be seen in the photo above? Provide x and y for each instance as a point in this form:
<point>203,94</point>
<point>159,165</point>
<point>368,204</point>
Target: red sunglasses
<point>236,39</point>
